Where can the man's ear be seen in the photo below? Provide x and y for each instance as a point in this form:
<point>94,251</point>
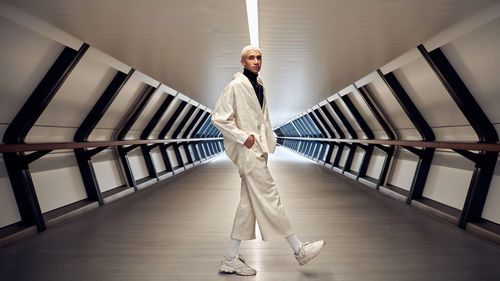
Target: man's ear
<point>242,62</point>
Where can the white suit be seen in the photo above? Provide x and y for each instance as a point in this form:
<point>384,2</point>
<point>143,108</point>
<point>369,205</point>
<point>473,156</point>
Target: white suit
<point>238,115</point>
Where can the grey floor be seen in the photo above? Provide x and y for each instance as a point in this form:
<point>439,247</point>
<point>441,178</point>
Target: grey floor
<point>179,231</point>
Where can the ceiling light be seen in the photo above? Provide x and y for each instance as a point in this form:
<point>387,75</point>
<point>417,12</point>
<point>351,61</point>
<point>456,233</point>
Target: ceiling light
<point>253,22</point>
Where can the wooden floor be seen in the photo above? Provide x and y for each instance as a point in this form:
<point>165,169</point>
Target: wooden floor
<point>179,231</point>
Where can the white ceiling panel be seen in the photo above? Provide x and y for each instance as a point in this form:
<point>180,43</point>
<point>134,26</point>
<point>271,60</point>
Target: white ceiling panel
<point>311,49</point>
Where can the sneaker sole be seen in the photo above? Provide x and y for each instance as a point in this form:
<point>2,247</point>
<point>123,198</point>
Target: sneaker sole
<point>315,255</point>
<point>224,269</point>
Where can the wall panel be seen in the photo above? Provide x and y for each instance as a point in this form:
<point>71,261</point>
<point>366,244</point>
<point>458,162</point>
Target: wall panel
<point>28,56</point>
<point>8,205</point>
<point>368,116</point>
<point>475,58</point>
<point>74,100</point>
<point>137,164</point>
<point>376,163</point>
<point>172,157</point>
<point>433,101</point>
<point>119,107</point>
<point>343,158</point>
<point>403,170</point>
<point>146,115</point>
<point>358,159</point>
<point>492,207</point>
<point>390,105</point>
<point>448,179</point>
<point>107,170</point>
<point>158,160</point>
<point>57,180</point>
<point>166,116</point>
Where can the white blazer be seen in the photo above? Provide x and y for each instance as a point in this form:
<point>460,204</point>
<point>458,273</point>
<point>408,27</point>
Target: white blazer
<point>237,114</point>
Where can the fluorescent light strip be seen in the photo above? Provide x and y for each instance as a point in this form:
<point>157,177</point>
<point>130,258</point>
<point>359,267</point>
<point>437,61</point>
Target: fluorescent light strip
<point>253,22</point>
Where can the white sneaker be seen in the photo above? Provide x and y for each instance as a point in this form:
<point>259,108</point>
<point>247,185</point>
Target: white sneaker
<point>309,250</point>
<point>236,265</point>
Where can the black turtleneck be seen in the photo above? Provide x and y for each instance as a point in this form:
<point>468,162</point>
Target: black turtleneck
<point>259,91</point>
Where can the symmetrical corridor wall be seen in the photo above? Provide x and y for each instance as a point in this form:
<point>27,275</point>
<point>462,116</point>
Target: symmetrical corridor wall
<point>106,129</point>
<point>437,100</point>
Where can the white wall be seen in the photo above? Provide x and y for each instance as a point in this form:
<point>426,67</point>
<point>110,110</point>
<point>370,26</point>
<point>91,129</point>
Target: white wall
<point>491,209</point>
<point>403,169</point>
<point>74,100</point>
<point>57,180</point>
<point>376,163</point>
<point>29,57</point>
<point>449,178</point>
<point>26,56</point>
<point>474,56</point>
<point>8,206</point>
<point>107,170</point>
<point>137,164</point>
<point>158,160</point>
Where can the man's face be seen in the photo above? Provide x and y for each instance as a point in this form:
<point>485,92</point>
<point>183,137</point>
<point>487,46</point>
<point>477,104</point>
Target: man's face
<point>252,61</point>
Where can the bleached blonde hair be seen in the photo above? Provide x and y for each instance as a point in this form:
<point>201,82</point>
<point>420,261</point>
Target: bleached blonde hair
<point>247,49</point>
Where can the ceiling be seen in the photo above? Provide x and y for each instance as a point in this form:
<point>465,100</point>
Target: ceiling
<point>311,49</point>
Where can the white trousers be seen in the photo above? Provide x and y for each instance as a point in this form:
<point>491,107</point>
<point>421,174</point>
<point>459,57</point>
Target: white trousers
<point>260,201</point>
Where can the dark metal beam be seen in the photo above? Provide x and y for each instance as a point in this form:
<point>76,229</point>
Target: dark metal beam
<point>486,132</point>
<point>350,129</point>
<point>129,148</point>
<point>425,159</point>
<point>337,128</point>
<point>137,109</point>
<point>323,121</point>
<point>177,132</point>
<point>193,123</point>
<point>83,157</point>
<point>375,109</point>
<point>187,134</point>
<point>478,188</point>
<point>149,161</point>
<point>460,94</point>
<point>164,132</point>
<point>35,155</point>
<point>343,119</point>
<point>313,117</point>
<point>389,129</point>
<point>172,119</point>
<point>24,190</point>
<point>200,128</point>
<point>139,105</point>
<point>43,94</point>
<point>414,150</point>
<point>88,175</point>
<point>156,117</point>
<point>366,130</point>
<point>357,116</point>
<point>92,152</point>
<point>474,157</point>
<point>15,162</point>
<point>407,105</point>
<point>102,105</point>
<point>145,149</point>
<point>183,122</point>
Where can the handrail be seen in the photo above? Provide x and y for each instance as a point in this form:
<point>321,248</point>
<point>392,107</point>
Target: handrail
<point>435,144</point>
<point>71,145</point>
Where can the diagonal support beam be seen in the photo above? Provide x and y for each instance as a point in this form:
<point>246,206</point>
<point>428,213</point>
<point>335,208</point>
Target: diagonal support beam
<point>17,168</point>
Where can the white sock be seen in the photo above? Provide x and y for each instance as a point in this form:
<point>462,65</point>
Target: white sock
<point>294,242</point>
<point>234,247</point>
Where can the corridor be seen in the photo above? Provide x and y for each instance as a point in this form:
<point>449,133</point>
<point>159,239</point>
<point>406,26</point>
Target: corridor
<point>178,229</point>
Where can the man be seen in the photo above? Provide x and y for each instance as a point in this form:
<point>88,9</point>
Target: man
<point>241,115</point>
